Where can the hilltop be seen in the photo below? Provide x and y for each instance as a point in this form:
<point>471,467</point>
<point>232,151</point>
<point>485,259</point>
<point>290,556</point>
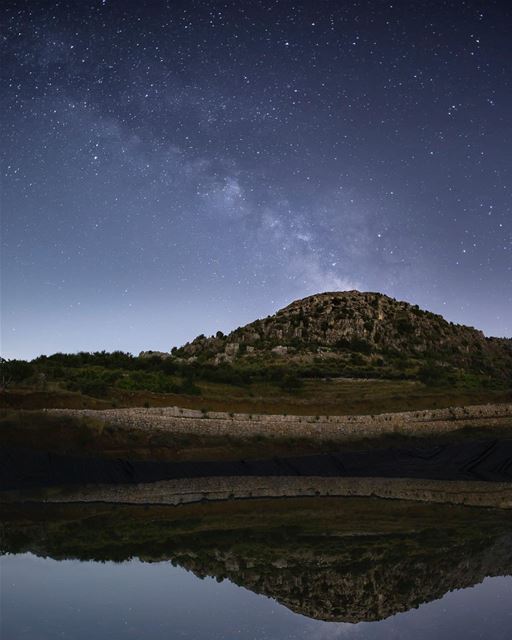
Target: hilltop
<point>333,353</point>
<point>356,333</point>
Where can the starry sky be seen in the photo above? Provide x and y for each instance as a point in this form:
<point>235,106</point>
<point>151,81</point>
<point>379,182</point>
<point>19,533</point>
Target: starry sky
<point>171,168</point>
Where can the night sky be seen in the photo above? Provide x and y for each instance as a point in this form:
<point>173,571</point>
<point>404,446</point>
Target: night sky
<point>175,168</point>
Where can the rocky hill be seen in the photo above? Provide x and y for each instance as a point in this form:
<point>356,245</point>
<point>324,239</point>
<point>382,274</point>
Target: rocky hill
<point>360,333</point>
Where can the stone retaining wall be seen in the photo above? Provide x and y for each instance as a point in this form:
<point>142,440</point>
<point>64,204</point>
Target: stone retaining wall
<point>178,420</point>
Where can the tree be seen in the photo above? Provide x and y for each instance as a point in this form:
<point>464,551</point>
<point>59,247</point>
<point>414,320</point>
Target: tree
<point>14,372</point>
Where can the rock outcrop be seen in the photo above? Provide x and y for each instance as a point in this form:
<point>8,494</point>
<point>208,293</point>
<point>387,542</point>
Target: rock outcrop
<point>355,328</point>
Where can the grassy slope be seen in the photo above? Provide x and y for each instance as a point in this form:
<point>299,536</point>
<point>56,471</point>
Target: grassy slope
<point>90,437</point>
<point>317,397</point>
<point>19,427</point>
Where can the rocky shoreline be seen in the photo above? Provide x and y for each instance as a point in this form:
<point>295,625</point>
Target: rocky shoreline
<point>475,469</point>
<point>467,472</point>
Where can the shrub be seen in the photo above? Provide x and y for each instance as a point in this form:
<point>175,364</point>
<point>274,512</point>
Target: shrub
<point>435,375</point>
<point>291,382</point>
<point>93,381</point>
<point>404,325</point>
<point>14,371</point>
<point>360,345</point>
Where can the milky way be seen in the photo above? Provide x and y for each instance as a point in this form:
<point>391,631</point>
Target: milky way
<point>174,168</point>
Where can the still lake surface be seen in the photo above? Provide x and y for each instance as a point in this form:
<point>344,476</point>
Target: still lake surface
<point>263,569</point>
<point>45,599</point>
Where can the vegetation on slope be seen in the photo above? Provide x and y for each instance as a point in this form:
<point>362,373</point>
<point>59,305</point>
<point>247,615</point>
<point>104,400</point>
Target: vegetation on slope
<point>52,385</point>
<point>362,334</point>
<point>345,352</point>
<point>367,335</point>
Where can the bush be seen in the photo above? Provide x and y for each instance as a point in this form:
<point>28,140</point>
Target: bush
<point>361,346</point>
<point>93,381</point>
<point>291,382</point>
<point>356,358</point>
<point>14,371</point>
<point>434,375</point>
<point>154,381</point>
<point>404,326</point>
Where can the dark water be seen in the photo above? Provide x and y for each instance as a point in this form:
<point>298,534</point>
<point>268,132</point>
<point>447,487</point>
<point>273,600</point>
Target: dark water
<point>320,568</point>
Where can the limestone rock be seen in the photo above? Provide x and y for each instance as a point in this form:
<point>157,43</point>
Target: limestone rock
<point>280,350</point>
<point>361,329</point>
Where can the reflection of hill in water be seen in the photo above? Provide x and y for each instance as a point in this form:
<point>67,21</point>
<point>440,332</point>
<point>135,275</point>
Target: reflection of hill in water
<point>367,578</point>
<point>333,559</point>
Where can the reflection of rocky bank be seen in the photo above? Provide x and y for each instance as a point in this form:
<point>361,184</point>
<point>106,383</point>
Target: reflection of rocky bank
<point>346,559</point>
<point>194,490</point>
